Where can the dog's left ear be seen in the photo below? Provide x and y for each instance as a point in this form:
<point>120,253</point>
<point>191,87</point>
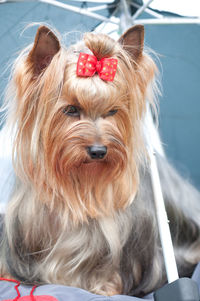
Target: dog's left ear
<point>46,45</point>
<point>133,41</point>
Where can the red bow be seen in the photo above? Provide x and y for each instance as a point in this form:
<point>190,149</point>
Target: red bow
<point>88,65</point>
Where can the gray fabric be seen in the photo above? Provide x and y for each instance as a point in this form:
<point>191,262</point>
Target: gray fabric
<point>196,275</point>
<point>60,292</point>
<point>64,293</point>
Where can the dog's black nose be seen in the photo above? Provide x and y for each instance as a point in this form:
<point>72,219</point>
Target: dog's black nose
<point>97,151</point>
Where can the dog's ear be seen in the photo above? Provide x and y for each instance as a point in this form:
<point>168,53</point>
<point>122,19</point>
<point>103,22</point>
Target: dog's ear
<point>46,45</point>
<point>133,41</point>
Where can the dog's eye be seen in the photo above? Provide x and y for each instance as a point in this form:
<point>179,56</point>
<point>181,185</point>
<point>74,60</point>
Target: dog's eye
<point>111,113</point>
<point>72,111</point>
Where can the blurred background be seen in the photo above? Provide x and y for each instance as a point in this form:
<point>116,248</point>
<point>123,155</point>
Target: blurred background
<point>172,30</point>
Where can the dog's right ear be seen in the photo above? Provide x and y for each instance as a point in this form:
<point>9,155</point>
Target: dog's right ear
<point>46,45</point>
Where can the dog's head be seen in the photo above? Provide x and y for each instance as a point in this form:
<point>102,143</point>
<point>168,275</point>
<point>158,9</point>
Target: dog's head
<point>79,139</point>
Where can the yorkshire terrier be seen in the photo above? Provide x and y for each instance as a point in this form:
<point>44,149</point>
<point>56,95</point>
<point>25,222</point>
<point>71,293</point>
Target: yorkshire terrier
<point>82,211</point>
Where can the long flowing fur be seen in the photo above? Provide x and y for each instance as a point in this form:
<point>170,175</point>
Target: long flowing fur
<point>89,224</point>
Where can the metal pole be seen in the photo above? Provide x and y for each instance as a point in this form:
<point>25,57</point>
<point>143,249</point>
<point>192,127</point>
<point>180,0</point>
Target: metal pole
<point>78,10</point>
<point>163,223</point>
<point>101,7</point>
<point>125,16</point>
<point>148,11</point>
<point>141,9</point>
<point>165,235</point>
<point>168,20</point>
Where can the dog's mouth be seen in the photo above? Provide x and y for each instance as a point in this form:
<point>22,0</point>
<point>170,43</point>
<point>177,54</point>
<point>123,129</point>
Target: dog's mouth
<point>93,162</point>
<point>92,168</point>
<point>92,165</point>
<point>89,163</point>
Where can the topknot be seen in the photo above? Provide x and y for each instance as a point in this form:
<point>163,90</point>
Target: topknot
<point>101,45</point>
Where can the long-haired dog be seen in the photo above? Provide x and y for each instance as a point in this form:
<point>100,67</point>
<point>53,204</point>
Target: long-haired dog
<point>82,211</point>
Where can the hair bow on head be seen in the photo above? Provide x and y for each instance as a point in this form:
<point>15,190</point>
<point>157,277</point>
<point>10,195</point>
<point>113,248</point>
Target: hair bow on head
<point>88,65</point>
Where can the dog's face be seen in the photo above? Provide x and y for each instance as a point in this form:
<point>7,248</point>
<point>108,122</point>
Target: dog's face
<point>79,139</point>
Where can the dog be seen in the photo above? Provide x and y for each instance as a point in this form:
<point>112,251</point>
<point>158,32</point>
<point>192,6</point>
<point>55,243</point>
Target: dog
<point>82,212</point>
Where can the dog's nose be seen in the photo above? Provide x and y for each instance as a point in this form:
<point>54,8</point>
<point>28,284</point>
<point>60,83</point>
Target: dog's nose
<point>97,151</point>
